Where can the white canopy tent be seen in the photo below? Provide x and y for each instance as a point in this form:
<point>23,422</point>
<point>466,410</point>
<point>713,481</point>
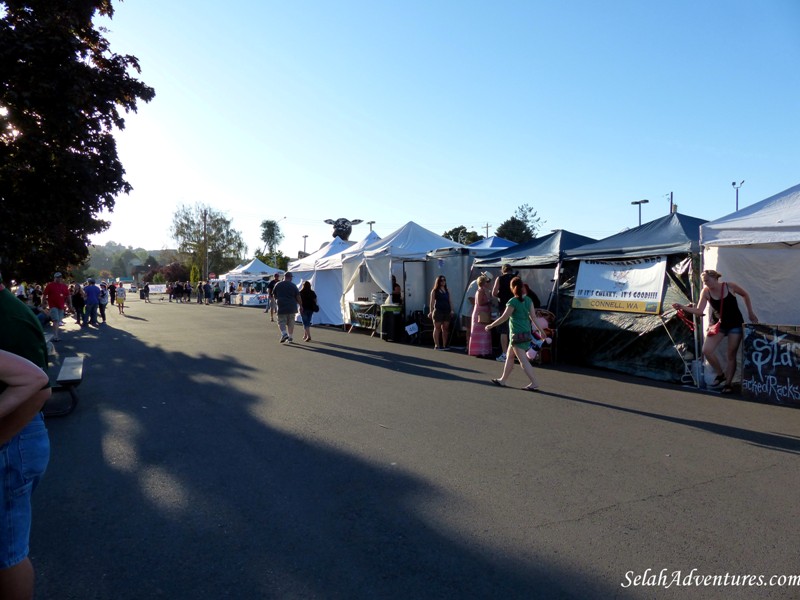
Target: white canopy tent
<point>758,247</point>
<point>307,265</point>
<point>386,257</point>
<point>255,270</point>
<point>327,284</point>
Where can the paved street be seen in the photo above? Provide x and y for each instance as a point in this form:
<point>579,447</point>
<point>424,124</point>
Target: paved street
<point>208,461</point>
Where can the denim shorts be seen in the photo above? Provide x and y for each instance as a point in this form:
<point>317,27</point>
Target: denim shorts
<point>306,316</point>
<point>57,314</point>
<point>734,330</point>
<point>23,461</point>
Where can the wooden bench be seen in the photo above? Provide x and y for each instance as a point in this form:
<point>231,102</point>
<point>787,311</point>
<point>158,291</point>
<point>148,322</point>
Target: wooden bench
<point>70,375</point>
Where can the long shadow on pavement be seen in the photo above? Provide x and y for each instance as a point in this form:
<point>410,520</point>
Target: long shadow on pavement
<point>166,484</point>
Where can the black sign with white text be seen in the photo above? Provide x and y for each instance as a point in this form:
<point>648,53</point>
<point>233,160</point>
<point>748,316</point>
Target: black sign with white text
<point>771,367</point>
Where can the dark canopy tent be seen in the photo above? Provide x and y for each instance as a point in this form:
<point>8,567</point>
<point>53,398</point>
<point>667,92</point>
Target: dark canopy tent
<point>546,250</point>
<point>535,261</point>
<point>632,342</point>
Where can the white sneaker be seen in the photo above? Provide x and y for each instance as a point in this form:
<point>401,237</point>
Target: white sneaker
<point>501,358</point>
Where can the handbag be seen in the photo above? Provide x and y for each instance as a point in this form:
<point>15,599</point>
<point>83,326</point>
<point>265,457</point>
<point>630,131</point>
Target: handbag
<point>522,337</point>
<point>316,307</point>
<point>714,329</point>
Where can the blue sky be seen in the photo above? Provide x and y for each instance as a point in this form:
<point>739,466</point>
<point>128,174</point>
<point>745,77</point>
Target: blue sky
<point>454,113</point>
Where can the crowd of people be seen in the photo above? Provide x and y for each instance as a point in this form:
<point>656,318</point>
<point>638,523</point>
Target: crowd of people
<point>85,302</point>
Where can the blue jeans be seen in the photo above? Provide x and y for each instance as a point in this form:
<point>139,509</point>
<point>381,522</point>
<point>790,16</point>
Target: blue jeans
<point>90,314</point>
<point>23,461</point>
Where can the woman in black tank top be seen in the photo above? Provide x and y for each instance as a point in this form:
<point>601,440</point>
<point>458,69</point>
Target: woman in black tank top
<point>722,298</point>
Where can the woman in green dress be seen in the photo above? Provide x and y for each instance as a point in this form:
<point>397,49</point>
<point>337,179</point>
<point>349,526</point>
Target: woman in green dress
<point>520,313</point>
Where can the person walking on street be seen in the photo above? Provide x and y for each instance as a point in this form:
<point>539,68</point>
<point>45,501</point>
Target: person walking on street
<point>272,305</point>
<point>308,306</point>
<point>502,291</point>
<point>521,315</point>
<point>78,303</point>
<point>92,293</point>
<point>103,301</point>
<point>287,297</point>
<point>121,293</point>
<point>57,299</point>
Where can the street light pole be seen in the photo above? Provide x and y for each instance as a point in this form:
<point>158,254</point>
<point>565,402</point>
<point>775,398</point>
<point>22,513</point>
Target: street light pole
<point>370,223</point>
<point>304,243</point>
<point>736,187</point>
<point>205,240</point>
<point>639,203</point>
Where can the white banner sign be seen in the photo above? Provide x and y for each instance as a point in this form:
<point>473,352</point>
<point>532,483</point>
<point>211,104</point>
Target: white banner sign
<point>635,285</point>
<point>158,288</point>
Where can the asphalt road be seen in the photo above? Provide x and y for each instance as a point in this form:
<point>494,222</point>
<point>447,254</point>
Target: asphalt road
<point>206,460</point>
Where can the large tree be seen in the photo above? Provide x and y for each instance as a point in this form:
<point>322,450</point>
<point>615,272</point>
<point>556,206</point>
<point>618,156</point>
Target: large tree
<point>200,228</point>
<point>520,228</point>
<point>271,235</point>
<point>462,236</point>
<point>62,95</point>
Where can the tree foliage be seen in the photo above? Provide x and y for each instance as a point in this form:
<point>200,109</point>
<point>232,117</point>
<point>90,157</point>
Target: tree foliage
<point>62,96</point>
<point>462,236</point>
<point>271,235</point>
<point>199,228</point>
<point>520,228</point>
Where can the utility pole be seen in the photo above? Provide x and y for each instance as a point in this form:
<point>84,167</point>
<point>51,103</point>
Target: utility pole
<point>205,240</point>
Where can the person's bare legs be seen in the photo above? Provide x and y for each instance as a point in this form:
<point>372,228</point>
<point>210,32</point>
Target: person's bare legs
<point>445,334</point>
<point>508,366</point>
<point>504,343</point>
<point>734,339</point>
<point>710,353</point>
<point>16,583</point>
<point>437,334</point>
<point>526,365</point>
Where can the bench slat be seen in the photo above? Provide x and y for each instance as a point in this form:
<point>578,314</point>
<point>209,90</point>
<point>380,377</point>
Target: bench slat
<point>71,372</point>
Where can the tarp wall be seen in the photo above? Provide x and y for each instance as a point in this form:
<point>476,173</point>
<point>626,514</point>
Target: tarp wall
<point>628,342</point>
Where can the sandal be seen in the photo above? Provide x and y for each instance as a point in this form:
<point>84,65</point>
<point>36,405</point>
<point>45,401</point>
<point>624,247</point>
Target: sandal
<point>718,380</point>
<point>528,388</point>
<point>498,383</point>
<point>726,390</point>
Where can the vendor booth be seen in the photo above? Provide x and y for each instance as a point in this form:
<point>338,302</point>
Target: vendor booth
<point>615,299</point>
<point>368,272</point>
<point>326,281</point>
<point>249,281</point>
<point>535,261</point>
<point>758,248</point>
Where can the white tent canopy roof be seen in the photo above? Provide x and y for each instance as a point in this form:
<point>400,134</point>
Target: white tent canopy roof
<point>337,246</point>
<point>775,220</point>
<point>411,241</point>
<point>334,261</point>
<point>255,268</point>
